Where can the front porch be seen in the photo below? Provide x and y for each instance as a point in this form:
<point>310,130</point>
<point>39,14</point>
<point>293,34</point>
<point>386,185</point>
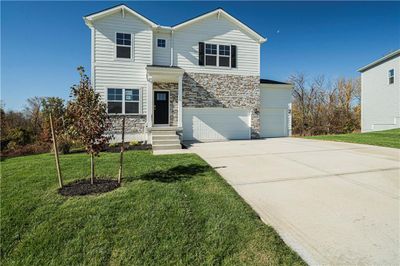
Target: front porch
<point>164,96</point>
<point>164,106</point>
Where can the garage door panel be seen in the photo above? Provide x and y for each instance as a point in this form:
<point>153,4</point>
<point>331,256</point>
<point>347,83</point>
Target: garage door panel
<point>274,122</point>
<point>207,124</point>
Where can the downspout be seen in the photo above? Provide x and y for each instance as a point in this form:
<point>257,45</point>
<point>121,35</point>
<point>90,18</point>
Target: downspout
<point>172,48</point>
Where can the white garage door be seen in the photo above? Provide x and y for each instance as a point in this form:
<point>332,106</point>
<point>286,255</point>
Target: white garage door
<point>274,122</point>
<point>274,115</point>
<point>209,124</point>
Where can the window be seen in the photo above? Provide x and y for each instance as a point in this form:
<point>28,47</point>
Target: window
<point>218,55</point>
<point>114,101</point>
<point>161,96</point>
<point>131,101</point>
<point>224,55</point>
<point>124,45</point>
<point>116,104</point>
<point>211,54</point>
<point>391,76</point>
<point>161,43</point>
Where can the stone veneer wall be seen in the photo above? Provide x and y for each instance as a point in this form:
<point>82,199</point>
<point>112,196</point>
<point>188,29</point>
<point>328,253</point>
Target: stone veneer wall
<point>134,127</point>
<point>227,91</point>
<point>173,96</point>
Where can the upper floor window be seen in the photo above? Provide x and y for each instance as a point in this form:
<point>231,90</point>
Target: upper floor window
<point>391,76</point>
<point>224,57</point>
<point>161,43</point>
<point>123,101</point>
<point>217,55</point>
<point>124,45</point>
<point>211,54</point>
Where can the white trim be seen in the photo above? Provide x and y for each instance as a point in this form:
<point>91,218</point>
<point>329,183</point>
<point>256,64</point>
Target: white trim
<point>169,106</point>
<point>218,55</point>
<point>219,12</point>
<point>123,8</point>
<point>89,20</point>
<point>131,46</point>
<point>380,60</point>
<point>165,43</point>
<point>140,101</point>
<point>92,59</point>
<point>149,101</point>
<point>172,43</point>
<point>180,106</point>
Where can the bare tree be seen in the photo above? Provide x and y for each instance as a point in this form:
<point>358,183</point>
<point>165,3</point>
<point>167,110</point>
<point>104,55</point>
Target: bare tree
<point>322,108</point>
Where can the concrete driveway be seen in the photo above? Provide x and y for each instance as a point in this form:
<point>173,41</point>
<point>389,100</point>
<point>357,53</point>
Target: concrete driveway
<point>334,203</point>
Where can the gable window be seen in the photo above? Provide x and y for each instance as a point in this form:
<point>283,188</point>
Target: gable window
<point>224,57</point>
<point>211,54</point>
<point>391,76</point>
<point>123,101</point>
<point>161,43</point>
<point>123,45</point>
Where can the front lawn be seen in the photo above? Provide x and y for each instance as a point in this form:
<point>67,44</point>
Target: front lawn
<point>170,210</point>
<point>387,138</point>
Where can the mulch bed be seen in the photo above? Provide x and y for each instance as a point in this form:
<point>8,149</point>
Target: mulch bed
<point>83,187</point>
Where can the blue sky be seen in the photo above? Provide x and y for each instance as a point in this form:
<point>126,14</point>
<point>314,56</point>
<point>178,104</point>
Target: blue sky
<point>42,43</point>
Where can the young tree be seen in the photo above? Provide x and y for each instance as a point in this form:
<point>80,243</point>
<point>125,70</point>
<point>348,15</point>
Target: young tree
<point>88,118</point>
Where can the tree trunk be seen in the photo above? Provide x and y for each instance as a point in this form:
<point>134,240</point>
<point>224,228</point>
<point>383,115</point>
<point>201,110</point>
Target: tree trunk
<point>121,157</point>
<point>55,148</point>
<point>91,168</point>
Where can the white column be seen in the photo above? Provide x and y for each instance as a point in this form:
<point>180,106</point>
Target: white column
<point>180,100</point>
<point>149,101</point>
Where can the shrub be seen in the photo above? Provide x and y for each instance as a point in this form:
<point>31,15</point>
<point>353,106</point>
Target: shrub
<point>29,149</point>
<point>20,136</point>
<point>134,143</point>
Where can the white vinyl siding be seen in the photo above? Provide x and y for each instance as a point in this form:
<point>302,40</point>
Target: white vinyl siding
<point>380,101</point>
<point>162,56</point>
<point>112,72</point>
<point>216,31</point>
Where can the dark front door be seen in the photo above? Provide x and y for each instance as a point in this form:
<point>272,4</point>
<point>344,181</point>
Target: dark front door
<point>161,107</point>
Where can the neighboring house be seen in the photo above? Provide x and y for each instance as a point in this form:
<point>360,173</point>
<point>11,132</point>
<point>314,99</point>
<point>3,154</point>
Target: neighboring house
<point>199,79</point>
<point>380,93</point>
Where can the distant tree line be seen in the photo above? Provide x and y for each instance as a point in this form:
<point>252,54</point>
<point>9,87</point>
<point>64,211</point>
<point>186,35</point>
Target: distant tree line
<point>320,107</point>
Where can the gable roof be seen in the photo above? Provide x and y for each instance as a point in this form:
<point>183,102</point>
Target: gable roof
<point>89,18</point>
<point>380,60</point>
<point>216,12</point>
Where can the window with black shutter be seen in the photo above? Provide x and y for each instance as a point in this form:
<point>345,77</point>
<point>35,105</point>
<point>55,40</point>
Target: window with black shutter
<point>219,55</point>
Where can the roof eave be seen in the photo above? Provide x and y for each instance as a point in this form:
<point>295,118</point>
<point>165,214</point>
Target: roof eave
<point>379,61</point>
<point>90,18</point>
<point>260,39</point>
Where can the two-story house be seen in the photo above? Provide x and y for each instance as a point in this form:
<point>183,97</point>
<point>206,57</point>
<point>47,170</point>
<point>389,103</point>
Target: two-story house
<point>198,80</point>
<point>380,93</point>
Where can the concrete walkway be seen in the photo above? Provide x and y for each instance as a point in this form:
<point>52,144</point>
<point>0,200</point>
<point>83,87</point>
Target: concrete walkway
<point>334,203</point>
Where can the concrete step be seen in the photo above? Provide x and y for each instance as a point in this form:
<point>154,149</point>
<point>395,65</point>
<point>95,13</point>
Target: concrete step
<point>166,141</point>
<point>166,147</point>
<point>165,137</point>
<point>163,132</point>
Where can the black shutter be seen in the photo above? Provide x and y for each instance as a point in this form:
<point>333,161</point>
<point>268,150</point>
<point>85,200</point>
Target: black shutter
<point>233,57</point>
<point>201,53</point>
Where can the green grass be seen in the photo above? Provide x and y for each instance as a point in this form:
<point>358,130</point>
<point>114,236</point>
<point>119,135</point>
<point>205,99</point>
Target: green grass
<point>387,138</point>
<point>172,209</point>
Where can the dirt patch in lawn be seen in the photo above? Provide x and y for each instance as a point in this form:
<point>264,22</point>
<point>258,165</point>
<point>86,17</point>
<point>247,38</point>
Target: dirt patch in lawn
<point>83,187</point>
